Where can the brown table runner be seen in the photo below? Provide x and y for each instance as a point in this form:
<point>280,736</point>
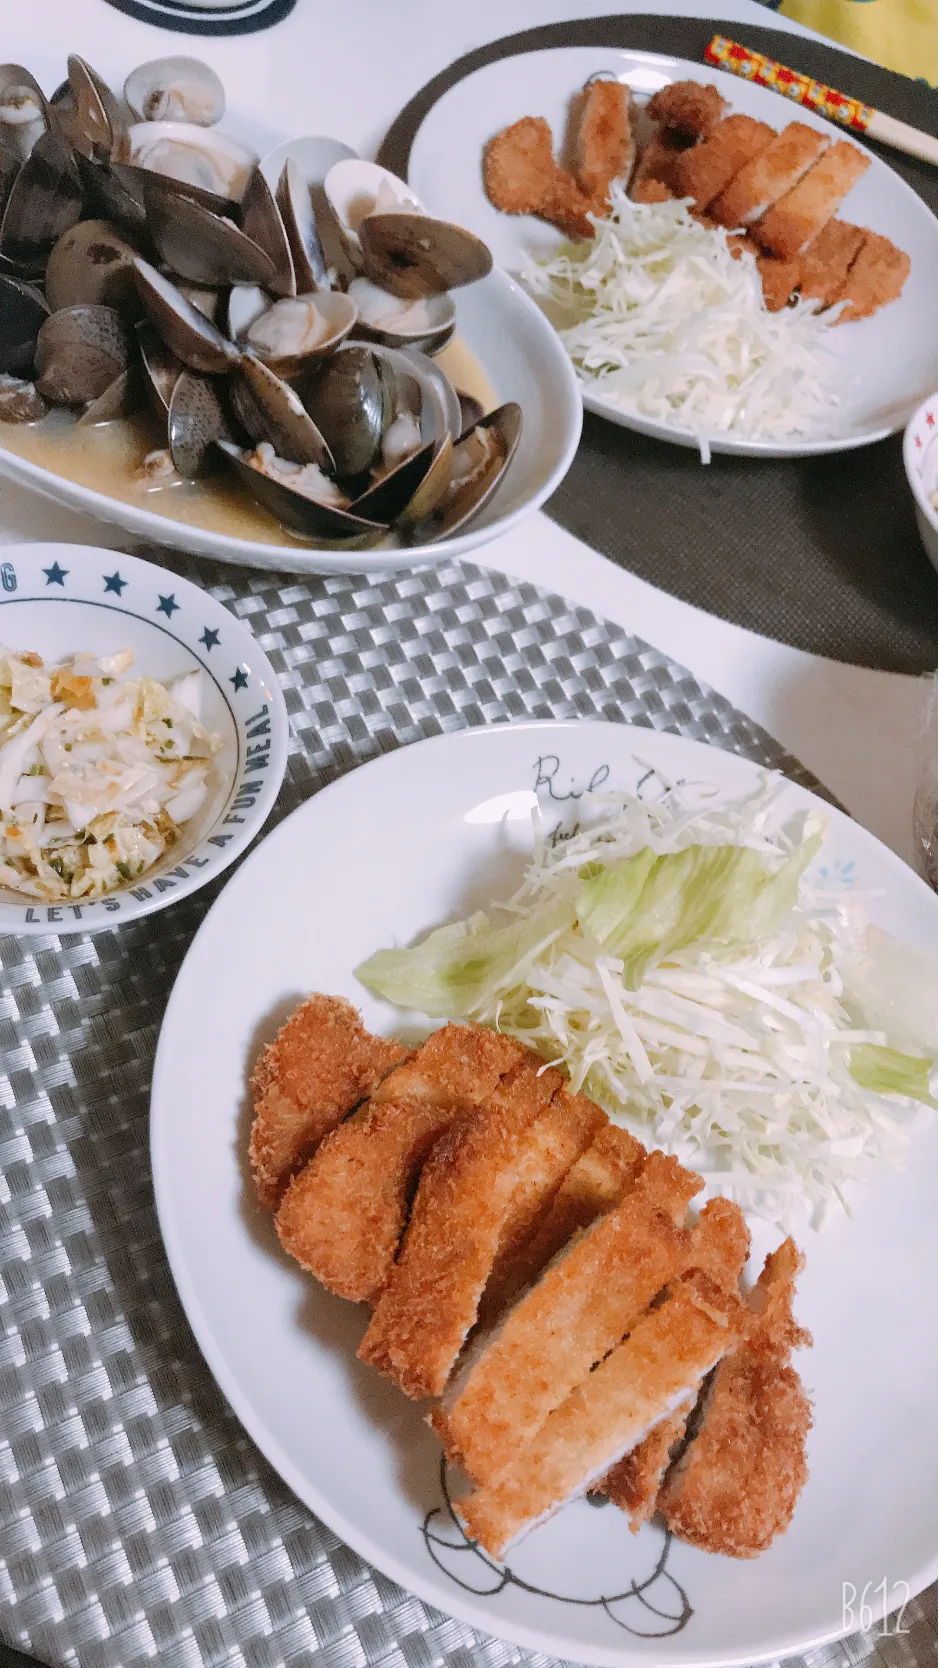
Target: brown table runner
<point>822,553</point>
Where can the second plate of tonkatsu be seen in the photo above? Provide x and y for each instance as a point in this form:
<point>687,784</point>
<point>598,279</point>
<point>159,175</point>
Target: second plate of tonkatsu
<point>539,152</point>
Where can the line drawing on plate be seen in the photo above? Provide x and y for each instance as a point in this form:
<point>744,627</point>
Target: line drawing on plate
<point>442,1532</point>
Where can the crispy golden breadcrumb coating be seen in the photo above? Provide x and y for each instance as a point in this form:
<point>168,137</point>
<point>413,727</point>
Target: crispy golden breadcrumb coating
<point>688,107</point>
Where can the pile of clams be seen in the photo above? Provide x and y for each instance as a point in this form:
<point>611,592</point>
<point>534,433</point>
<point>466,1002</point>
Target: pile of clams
<point>280,316</point>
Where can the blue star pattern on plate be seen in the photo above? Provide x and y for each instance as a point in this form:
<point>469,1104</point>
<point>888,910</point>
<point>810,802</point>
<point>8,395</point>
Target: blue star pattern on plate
<point>55,575</point>
<point>167,605</point>
<point>240,679</point>
<point>209,639</point>
<point>114,582</point>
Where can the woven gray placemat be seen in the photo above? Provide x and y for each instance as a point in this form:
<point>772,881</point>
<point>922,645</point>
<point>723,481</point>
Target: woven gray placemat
<point>821,553</point>
<point>137,1520</point>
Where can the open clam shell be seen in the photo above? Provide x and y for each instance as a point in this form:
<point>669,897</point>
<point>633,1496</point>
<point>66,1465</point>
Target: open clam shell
<point>24,111</point>
<point>92,263</point>
<point>322,524</point>
<point>23,312</point>
<point>161,368</point>
<point>297,209</point>
<point>175,89</point>
<point>196,419</point>
<point>120,398</point>
<point>292,333</point>
<point>480,460</point>
<point>89,114</point>
<point>352,399</point>
<point>193,155</point>
<point>275,412</point>
<point>80,351</point>
<point>203,247</point>
<point>427,325</point>
<point>110,195</point>
<point>413,256</point>
<point>262,222</point>
<point>356,189</point>
<point>182,327</point>
<point>311,229</point>
<point>44,201</point>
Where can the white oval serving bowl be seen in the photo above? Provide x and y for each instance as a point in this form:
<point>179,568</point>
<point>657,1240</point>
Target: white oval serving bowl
<point>523,359</point>
<point>921,461</point>
<point>57,599</point>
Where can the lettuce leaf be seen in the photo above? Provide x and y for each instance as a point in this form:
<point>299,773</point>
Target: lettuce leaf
<point>888,1072</point>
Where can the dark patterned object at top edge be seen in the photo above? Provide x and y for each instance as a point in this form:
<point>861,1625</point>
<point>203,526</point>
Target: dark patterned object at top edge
<point>187,17</point>
<point>137,1521</point>
<point>821,553</point>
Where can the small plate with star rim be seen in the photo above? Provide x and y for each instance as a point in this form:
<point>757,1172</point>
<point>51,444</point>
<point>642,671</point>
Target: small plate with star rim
<point>58,599</point>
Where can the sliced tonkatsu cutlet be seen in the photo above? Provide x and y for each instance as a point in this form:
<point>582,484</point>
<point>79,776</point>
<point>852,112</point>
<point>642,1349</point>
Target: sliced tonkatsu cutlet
<point>343,1216</point>
<point>704,171</point>
<point>687,107</point>
<point>658,166</point>
<point>823,269</point>
<point>876,276</point>
<point>605,147</point>
<point>787,229</point>
<point>580,1309</point>
<point>657,1369</point>
<point>485,1171</point>
<point>735,1487</point>
<point>780,279</point>
<point>592,1186</point>
<point>769,175</point>
<point>720,1246</point>
<point>320,1065</point>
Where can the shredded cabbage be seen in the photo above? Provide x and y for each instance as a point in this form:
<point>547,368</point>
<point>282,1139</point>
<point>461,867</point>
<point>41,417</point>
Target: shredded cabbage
<point>692,969</point>
<point>98,772</point>
<point>662,321</point>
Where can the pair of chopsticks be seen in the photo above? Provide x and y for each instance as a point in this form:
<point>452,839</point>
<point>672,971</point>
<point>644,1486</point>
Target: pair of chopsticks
<point>850,112</point>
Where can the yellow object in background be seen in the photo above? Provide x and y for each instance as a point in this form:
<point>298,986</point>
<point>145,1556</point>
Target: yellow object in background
<point>900,34</point>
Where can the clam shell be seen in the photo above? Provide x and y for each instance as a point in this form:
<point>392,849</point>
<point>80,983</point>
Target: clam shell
<point>23,312</point>
<point>356,189</point>
<point>175,89</point>
<point>135,182</point>
<point>92,263</point>
<point>426,325</point>
<point>352,400</point>
<point>501,430</point>
<point>44,201</point>
<point>91,117</point>
<point>182,327</point>
<point>262,222</point>
<point>161,368</point>
<point>24,112</point>
<point>201,246</point>
<point>332,314</point>
<point>412,491</point>
<point>119,399</point>
<point>79,353</point>
<point>112,191</point>
<point>298,214</point>
<point>195,420</point>
<point>322,524</point>
<point>276,413</point>
<point>19,402</point>
<point>193,155</point>
<point>414,256</point>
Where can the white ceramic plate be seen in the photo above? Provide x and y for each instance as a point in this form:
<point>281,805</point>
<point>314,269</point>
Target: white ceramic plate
<point>59,598</point>
<point>883,367</point>
<point>336,880</point>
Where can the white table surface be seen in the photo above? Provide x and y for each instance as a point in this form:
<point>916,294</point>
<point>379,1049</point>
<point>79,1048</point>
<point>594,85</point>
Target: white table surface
<point>856,729</point>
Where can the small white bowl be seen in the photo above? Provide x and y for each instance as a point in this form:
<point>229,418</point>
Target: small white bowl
<point>921,458</point>
<point>60,598</point>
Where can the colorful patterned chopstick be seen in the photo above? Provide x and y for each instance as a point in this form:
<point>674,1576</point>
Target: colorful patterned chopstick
<point>754,66</point>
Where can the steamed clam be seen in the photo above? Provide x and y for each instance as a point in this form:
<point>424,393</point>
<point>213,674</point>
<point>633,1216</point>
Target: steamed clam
<point>276,318</point>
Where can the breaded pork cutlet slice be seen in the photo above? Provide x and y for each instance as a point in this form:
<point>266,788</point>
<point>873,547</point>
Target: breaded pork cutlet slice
<point>688,108</point>
<point>658,1368</point>
<point>720,1246</point>
<point>705,170</point>
<point>768,176</point>
<point>594,1185</point>
<point>343,1216</point>
<point>780,279</point>
<point>582,1307</point>
<point>788,228</point>
<point>604,142</point>
<point>657,168</point>
<point>876,276</point>
<point>478,1178</point>
<point>823,269</point>
<point>521,176</point>
<point>320,1065</point>
<point>735,1487</point>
